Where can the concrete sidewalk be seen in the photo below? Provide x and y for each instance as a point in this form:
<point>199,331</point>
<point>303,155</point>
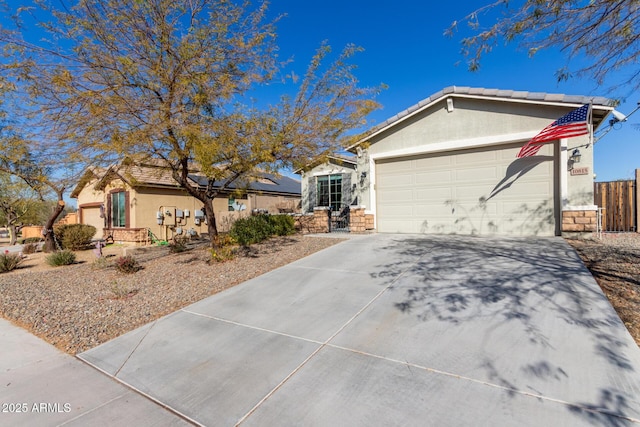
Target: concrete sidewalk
<point>395,330</point>
<point>41,386</point>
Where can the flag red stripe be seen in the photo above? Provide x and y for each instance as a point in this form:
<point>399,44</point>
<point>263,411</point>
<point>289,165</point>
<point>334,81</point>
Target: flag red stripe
<point>575,123</point>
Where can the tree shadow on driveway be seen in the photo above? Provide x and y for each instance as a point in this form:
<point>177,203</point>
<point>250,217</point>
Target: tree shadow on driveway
<point>536,294</point>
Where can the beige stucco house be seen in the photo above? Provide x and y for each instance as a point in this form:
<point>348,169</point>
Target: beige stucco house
<point>125,202</point>
<point>448,165</point>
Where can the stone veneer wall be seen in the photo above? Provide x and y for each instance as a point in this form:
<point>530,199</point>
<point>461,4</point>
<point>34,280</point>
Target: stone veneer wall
<point>359,222</point>
<point>317,222</point>
<point>131,235</point>
<point>579,221</point>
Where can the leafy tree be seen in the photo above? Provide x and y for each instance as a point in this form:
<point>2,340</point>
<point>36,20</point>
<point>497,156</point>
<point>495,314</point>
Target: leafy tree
<point>31,166</point>
<point>169,80</point>
<point>18,205</point>
<point>606,33</point>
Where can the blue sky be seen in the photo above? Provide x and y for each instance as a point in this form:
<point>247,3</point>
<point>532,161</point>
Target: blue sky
<point>405,48</point>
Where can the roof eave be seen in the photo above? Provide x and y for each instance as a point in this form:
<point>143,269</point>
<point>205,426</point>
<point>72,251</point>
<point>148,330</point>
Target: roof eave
<point>451,92</point>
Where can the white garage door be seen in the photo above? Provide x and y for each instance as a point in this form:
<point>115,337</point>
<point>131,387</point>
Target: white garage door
<point>480,191</point>
<point>91,216</point>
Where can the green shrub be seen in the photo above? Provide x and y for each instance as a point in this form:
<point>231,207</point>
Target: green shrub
<point>29,240</point>
<point>100,263</point>
<point>59,258</point>
<point>223,253</point>
<point>127,264</point>
<point>225,249</point>
<point>255,229</point>
<point>282,225</point>
<point>30,248</point>
<point>75,236</point>
<point>9,261</point>
<point>250,230</point>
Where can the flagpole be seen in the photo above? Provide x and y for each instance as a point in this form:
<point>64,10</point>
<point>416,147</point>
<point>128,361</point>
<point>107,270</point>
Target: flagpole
<point>591,122</point>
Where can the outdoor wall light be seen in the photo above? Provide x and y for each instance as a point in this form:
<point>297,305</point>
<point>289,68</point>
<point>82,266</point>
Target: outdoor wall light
<point>575,156</point>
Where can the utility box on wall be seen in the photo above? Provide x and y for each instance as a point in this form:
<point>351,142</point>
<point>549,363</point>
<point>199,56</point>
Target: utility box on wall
<point>198,216</point>
<point>169,215</point>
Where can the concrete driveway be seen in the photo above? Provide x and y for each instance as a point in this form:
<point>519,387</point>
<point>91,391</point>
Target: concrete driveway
<point>395,330</point>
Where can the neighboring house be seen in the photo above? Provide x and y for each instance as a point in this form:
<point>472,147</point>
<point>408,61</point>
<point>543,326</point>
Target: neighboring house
<point>125,202</point>
<point>448,165</point>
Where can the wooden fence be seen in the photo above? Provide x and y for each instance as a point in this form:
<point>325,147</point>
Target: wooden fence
<point>618,200</point>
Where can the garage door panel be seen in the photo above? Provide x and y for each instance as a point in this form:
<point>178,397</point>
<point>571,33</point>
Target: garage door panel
<point>397,211</point>
<point>398,196</point>
<point>471,209</point>
<point>529,189</point>
<point>431,177</point>
<point>439,193</point>
<point>91,216</point>
<point>469,158</point>
<point>433,163</point>
<point>449,201</point>
<point>473,192</point>
<point>477,174</point>
<point>433,210</point>
<point>396,180</point>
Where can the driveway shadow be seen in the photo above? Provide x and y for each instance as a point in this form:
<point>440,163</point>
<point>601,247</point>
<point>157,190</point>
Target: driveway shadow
<point>541,285</point>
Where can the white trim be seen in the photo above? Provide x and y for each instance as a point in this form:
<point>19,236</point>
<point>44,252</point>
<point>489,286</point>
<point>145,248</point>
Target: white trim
<point>484,141</point>
<point>563,173</point>
<point>580,208</point>
<point>326,173</point>
<point>481,97</point>
<point>372,192</point>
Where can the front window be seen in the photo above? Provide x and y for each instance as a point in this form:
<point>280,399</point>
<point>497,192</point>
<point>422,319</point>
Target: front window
<point>118,210</point>
<point>329,190</point>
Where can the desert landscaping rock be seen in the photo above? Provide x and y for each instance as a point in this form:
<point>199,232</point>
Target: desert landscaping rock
<point>78,307</point>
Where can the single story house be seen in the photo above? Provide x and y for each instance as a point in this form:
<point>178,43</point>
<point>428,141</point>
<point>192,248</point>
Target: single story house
<point>126,201</point>
<point>448,165</point>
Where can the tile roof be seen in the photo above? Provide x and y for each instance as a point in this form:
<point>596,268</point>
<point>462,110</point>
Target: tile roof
<point>268,183</point>
<point>151,175</point>
<point>540,97</point>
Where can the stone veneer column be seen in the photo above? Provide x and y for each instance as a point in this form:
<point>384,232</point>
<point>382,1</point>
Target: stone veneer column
<point>579,221</point>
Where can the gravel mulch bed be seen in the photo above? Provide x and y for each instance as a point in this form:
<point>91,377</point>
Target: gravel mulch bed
<point>614,262</point>
<point>80,306</point>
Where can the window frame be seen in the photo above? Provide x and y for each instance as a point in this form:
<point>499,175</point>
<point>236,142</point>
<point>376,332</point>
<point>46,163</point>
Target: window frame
<point>119,214</point>
<point>329,191</point>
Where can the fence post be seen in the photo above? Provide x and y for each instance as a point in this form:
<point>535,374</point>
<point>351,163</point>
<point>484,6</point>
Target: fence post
<point>637,189</point>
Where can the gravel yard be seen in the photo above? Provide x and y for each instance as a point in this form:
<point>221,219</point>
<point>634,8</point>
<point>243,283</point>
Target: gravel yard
<point>614,261</point>
<point>79,306</point>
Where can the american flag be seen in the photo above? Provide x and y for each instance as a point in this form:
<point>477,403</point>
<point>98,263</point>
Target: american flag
<point>575,123</point>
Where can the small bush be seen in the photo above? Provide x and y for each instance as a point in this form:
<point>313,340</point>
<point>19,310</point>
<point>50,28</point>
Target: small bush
<point>121,291</point>
<point>250,230</point>
<point>100,263</point>
<point>282,225</point>
<point>75,236</point>
<point>30,248</point>
<point>9,262</point>
<point>225,249</point>
<point>127,264</point>
<point>223,253</point>
<point>59,258</point>
<point>30,240</point>
<point>178,245</point>
<point>224,240</point>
